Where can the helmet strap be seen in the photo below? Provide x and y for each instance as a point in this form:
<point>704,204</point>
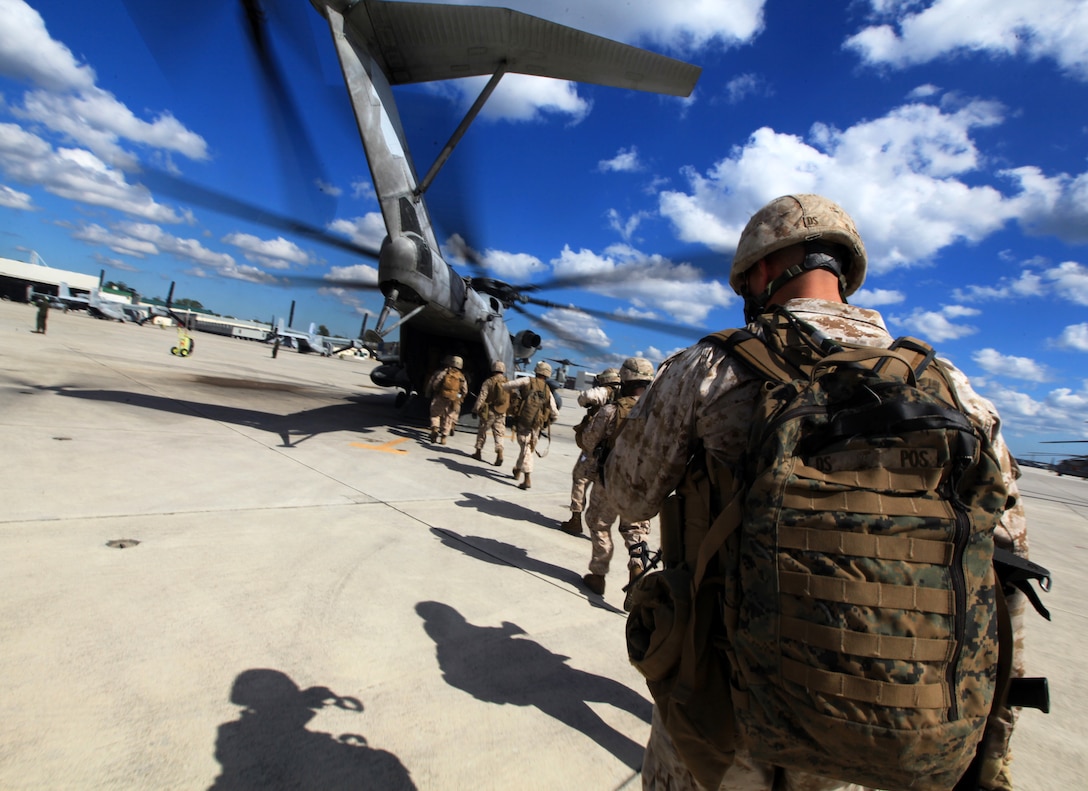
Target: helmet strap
<point>818,255</point>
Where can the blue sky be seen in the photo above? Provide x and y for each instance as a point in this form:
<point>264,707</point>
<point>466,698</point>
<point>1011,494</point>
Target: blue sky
<point>955,133</point>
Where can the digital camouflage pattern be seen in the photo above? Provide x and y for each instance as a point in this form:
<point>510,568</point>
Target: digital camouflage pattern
<point>662,770</point>
<point>861,607</point>
<point>701,399</point>
<point>796,219</point>
<point>528,437</point>
<point>603,510</point>
<point>490,408</point>
<point>533,412</point>
<point>444,409</point>
<point>584,472</point>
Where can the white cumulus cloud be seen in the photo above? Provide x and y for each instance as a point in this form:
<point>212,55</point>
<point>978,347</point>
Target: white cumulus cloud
<point>908,33</point>
<point>937,325</point>
<point>1075,336</point>
<point>994,362</point>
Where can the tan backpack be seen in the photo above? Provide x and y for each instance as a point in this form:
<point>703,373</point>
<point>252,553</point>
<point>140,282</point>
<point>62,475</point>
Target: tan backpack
<point>854,565</point>
<point>451,384</point>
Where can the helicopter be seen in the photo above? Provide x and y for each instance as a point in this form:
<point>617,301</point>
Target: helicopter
<point>381,44</point>
<point>1076,466</point>
<point>562,366</point>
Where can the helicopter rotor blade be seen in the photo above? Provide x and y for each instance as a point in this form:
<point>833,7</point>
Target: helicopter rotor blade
<point>679,330</point>
<point>561,332</point>
<point>177,39</point>
<point>307,182</point>
<point>188,192</point>
<point>317,281</point>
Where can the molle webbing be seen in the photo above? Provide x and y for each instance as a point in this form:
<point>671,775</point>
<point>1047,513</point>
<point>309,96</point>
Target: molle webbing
<point>866,545</point>
<point>867,594</point>
<point>880,693</point>
<point>877,646</point>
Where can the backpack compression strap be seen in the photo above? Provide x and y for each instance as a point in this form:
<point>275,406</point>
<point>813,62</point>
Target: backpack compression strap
<point>769,359</point>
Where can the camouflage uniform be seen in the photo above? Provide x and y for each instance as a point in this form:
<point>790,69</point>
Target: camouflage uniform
<point>700,394</point>
<point>585,469</point>
<point>492,417</point>
<point>527,439</point>
<point>445,411</point>
<point>604,510</point>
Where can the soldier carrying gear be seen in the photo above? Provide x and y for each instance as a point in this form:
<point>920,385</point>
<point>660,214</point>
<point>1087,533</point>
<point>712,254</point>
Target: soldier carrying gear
<point>491,406</point>
<point>695,432</point>
<point>585,468</point>
<point>447,387</point>
<point>635,375</point>
<point>536,410</point>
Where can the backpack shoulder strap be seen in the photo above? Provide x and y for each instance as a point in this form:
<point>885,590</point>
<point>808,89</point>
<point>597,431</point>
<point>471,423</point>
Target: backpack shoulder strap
<point>754,353</point>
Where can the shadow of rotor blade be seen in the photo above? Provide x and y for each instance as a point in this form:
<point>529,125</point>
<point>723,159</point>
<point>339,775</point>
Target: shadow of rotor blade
<point>188,192</point>
<point>561,332</point>
<point>678,330</point>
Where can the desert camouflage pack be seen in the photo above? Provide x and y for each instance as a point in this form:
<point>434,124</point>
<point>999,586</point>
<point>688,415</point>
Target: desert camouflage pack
<point>532,410</point>
<point>451,384</point>
<point>841,609</point>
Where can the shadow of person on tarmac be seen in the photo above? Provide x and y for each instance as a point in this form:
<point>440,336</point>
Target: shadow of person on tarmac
<point>268,746</point>
<point>501,553</point>
<point>495,665</point>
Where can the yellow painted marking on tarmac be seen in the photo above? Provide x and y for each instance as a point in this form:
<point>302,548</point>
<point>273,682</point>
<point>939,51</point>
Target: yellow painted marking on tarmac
<point>385,447</point>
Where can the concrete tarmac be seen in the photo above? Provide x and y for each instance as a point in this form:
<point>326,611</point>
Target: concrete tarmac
<point>302,592</point>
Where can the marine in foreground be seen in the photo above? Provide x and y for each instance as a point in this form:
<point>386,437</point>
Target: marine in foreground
<point>696,432</point>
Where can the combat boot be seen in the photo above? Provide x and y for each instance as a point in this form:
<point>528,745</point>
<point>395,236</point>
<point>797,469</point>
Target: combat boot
<point>442,440</point>
<point>595,582</point>
<point>526,484</point>
<point>498,457</point>
<point>434,435</point>
<point>517,473</point>
<point>573,525</point>
<point>478,455</point>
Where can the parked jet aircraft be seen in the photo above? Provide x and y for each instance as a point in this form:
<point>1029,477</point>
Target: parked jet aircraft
<point>311,342</point>
<point>381,44</point>
<point>98,307</point>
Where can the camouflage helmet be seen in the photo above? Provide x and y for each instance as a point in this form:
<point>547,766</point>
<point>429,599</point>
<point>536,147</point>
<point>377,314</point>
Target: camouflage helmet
<point>609,376</point>
<point>543,369</point>
<point>793,219</point>
<point>636,369</point>
<point>457,362</point>
<point>498,367</point>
